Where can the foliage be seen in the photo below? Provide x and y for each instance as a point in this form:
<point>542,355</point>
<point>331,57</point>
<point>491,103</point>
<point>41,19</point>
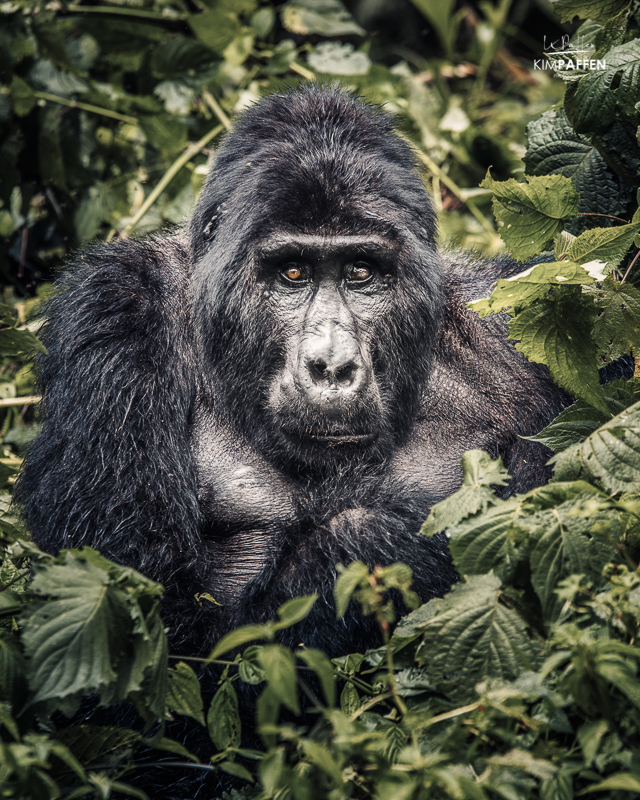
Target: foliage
<point>522,682</point>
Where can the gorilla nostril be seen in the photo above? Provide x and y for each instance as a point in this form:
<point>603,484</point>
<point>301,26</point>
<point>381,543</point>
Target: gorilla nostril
<point>318,369</point>
<point>346,373</point>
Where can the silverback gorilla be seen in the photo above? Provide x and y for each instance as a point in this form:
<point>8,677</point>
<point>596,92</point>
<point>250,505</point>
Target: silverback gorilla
<point>285,384</point>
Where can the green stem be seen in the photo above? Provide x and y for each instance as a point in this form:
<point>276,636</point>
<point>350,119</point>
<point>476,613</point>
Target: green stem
<point>488,55</point>
<point>451,185</point>
<point>169,175</point>
<point>105,112</point>
<point>127,12</point>
<point>7,402</point>
<point>213,104</point>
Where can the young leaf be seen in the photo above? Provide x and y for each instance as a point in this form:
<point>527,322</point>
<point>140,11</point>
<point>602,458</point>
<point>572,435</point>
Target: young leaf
<point>532,213</point>
<point>280,672</point>
<point>320,664</point>
<point>244,635</point>
<point>475,495</point>
<point>348,581</point>
<point>183,696</point>
<point>294,611</point>
<point>223,719</point>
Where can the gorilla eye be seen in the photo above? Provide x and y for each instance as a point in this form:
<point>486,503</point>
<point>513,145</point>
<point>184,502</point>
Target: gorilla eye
<point>294,273</point>
<point>360,272</point>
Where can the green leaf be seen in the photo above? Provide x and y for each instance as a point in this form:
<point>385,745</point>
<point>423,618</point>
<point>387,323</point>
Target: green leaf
<point>324,17</point>
<point>90,743</point>
<point>608,245</point>
<point>589,9</point>
<point>249,669</point>
<point>237,770</point>
<point>244,635</point>
<point>622,781</point>
<point>474,636</point>
<point>563,545</point>
<point>532,284</point>
<point>349,700</point>
<point>223,718</point>
<point>14,342</point>
<point>349,578</point>
<point>294,611</point>
<point>91,636</point>
<point>183,695</point>
<point>320,664</point>
<point>333,58</point>
<point>532,213</point>
<point>617,329</point>
<point>557,332</point>
<point>553,147</point>
<point>216,27</point>
<point>22,96</point>
<point>475,495</point>
<point>590,735</point>
<point>611,455</point>
<point>12,672</point>
<point>602,94</point>
<point>579,420</point>
<point>279,668</point>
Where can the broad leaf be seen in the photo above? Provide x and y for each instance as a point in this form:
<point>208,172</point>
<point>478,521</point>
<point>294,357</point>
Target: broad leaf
<point>475,636</point>
<point>223,718</point>
<point>183,695</point>
<point>532,213</point>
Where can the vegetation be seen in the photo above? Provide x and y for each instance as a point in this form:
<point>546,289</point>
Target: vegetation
<point>523,681</point>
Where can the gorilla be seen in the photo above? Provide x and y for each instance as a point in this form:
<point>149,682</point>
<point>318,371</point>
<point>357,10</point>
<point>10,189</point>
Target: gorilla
<point>286,383</point>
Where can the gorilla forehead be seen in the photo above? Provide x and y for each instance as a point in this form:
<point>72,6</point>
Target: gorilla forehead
<point>315,160</point>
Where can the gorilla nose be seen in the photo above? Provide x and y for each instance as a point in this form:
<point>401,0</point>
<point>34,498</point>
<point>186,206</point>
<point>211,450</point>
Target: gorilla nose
<point>341,375</point>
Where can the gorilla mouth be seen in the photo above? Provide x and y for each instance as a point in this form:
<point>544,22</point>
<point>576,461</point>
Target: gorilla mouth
<point>334,440</point>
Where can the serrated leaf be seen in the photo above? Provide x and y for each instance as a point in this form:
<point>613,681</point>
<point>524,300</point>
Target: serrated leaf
<point>557,333</point>
<point>562,546</point>
<point>475,494</point>
<point>532,284</point>
<point>609,245</point>
<point>590,735</point>
<point>237,770</point>
<point>589,9</point>
<point>474,636</point>
<point>617,329</point>
<point>553,147</point>
<point>90,743</point>
<point>532,213</point>
<point>602,94</point>
<point>183,695</point>
<point>90,636</point>
<point>490,541</point>
<point>612,453</point>
<point>279,668</point>
<point>334,58</point>
<point>320,664</point>
<point>579,420</point>
<point>223,718</point>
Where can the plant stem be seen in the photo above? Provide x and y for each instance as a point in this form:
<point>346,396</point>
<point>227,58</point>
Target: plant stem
<point>169,175</point>
<point>104,112</point>
<point>127,12</point>
<point>7,402</point>
<point>213,104</point>
<point>626,274</point>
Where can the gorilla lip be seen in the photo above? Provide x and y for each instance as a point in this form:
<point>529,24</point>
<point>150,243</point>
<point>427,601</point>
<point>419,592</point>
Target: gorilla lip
<point>348,438</point>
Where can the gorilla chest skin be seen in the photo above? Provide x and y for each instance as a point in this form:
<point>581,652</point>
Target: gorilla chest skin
<point>285,385</point>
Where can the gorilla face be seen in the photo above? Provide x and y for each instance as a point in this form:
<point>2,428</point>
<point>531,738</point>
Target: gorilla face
<point>328,393</point>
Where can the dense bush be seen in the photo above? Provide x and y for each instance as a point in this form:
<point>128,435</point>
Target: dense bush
<point>523,681</point>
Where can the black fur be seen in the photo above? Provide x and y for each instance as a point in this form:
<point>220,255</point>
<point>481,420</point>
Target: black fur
<point>225,428</point>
